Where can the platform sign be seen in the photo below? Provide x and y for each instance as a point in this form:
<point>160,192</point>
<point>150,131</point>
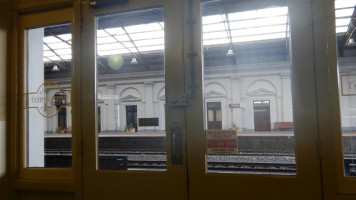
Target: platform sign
<point>148,121</point>
<point>234,105</point>
<point>221,141</point>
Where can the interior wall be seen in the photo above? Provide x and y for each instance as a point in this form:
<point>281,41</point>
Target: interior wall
<point>4,29</point>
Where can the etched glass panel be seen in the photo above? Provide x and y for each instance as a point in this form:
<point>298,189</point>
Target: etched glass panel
<point>48,96</point>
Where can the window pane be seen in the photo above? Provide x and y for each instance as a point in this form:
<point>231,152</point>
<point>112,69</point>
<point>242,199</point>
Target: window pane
<point>347,81</point>
<point>131,91</point>
<point>49,113</point>
<point>247,70</point>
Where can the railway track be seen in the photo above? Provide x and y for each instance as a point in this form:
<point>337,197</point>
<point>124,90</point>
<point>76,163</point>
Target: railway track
<point>249,163</point>
<point>159,152</point>
<point>276,168</point>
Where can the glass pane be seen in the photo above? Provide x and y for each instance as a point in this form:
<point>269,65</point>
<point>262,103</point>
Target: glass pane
<point>131,91</point>
<point>218,115</point>
<point>347,80</point>
<point>210,115</point>
<point>247,69</point>
<point>48,98</point>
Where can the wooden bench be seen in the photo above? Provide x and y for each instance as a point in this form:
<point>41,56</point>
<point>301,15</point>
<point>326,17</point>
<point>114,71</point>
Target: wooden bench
<point>280,126</point>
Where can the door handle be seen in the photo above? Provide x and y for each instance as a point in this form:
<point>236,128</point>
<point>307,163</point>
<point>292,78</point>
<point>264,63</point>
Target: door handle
<point>176,142</point>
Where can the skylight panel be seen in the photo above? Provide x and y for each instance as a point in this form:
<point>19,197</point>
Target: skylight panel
<point>258,22</point>
<point>262,13</point>
<point>259,31</point>
<point>214,27</point>
<point>342,22</point>
<point>344,12</point>
<point>122,38</point>
<point>214,35</point>
<point>212,19</point>
<point>243,15</point>
<point>110,46</point>
<point>102,33</point>
<point>66,57</point>
<point>59,45</point>
<point>216,41</point>
<point>65,37</point>
<point>161,24</point>
<point>113,52</point>
<point>63,51</point>
<point>147,35</point>
<point>141,43</point>
<point>151,48</point>
<point>143,28</point>
<point>133,50</point>
<point>128,45</point>
<point>341,29</point>
<point>105,40</point>
<point>53,58</point>
<point>345,3</point>
<point>258,37</point>
<point>48,53</point>
<point>51,39</point>
<point>268,12</point>
<point>115,31</point>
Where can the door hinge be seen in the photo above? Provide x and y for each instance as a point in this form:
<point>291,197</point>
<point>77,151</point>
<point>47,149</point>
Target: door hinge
<point>177,100</point>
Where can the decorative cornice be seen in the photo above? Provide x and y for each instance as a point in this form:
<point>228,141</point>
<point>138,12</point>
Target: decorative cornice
<point>130,98</point>
<point>260,92</point>
<point>214,94</point>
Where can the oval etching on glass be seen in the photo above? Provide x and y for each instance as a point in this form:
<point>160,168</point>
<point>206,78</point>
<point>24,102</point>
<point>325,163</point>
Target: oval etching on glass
<point>49,99</point>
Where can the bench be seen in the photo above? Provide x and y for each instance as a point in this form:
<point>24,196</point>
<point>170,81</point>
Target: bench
<point>280,126</point>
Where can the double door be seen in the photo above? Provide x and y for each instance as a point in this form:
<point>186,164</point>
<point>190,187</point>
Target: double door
<point>169,59</point>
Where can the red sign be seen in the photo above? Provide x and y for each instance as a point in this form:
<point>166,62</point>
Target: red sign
<point>234,105</point>
<point>221,141</point>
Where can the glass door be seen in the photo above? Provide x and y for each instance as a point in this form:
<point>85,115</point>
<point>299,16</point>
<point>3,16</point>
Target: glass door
<point>132,140</point>
<point>255,58</point>
<point>220,90</point>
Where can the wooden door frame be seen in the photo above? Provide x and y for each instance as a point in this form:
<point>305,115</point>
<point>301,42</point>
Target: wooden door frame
<point>306,138</point>
<point>269,116</point>
<point>214,114</point>
<point>170,184</point>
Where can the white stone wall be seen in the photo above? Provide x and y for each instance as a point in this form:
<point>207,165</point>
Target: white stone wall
<point>347,103</point>
<point>270,82</point>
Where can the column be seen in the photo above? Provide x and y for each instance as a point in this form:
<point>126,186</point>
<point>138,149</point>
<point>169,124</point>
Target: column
<point>110,108</point>
<point>287,98</point>
<point>236,98</point>
<point>149,99</point>
<point>35,80</point>
<point>149,102</point>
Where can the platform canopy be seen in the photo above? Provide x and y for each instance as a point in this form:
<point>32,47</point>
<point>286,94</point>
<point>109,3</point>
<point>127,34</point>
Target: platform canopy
<point>247,31</point>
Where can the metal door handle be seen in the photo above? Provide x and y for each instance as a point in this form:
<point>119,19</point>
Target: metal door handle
<point>176,141</point>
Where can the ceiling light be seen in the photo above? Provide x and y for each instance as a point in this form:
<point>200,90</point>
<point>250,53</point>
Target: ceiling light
<point>230,52</point>
<point>55,68</point>
<point>351,42</point>
<point>134,61</point>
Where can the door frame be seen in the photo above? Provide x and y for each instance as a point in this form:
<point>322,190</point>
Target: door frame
<point>110,184</point>
<point>269,114</point>
<point>336,185</point>
<point>205,185</point>
<point>214,114</point>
